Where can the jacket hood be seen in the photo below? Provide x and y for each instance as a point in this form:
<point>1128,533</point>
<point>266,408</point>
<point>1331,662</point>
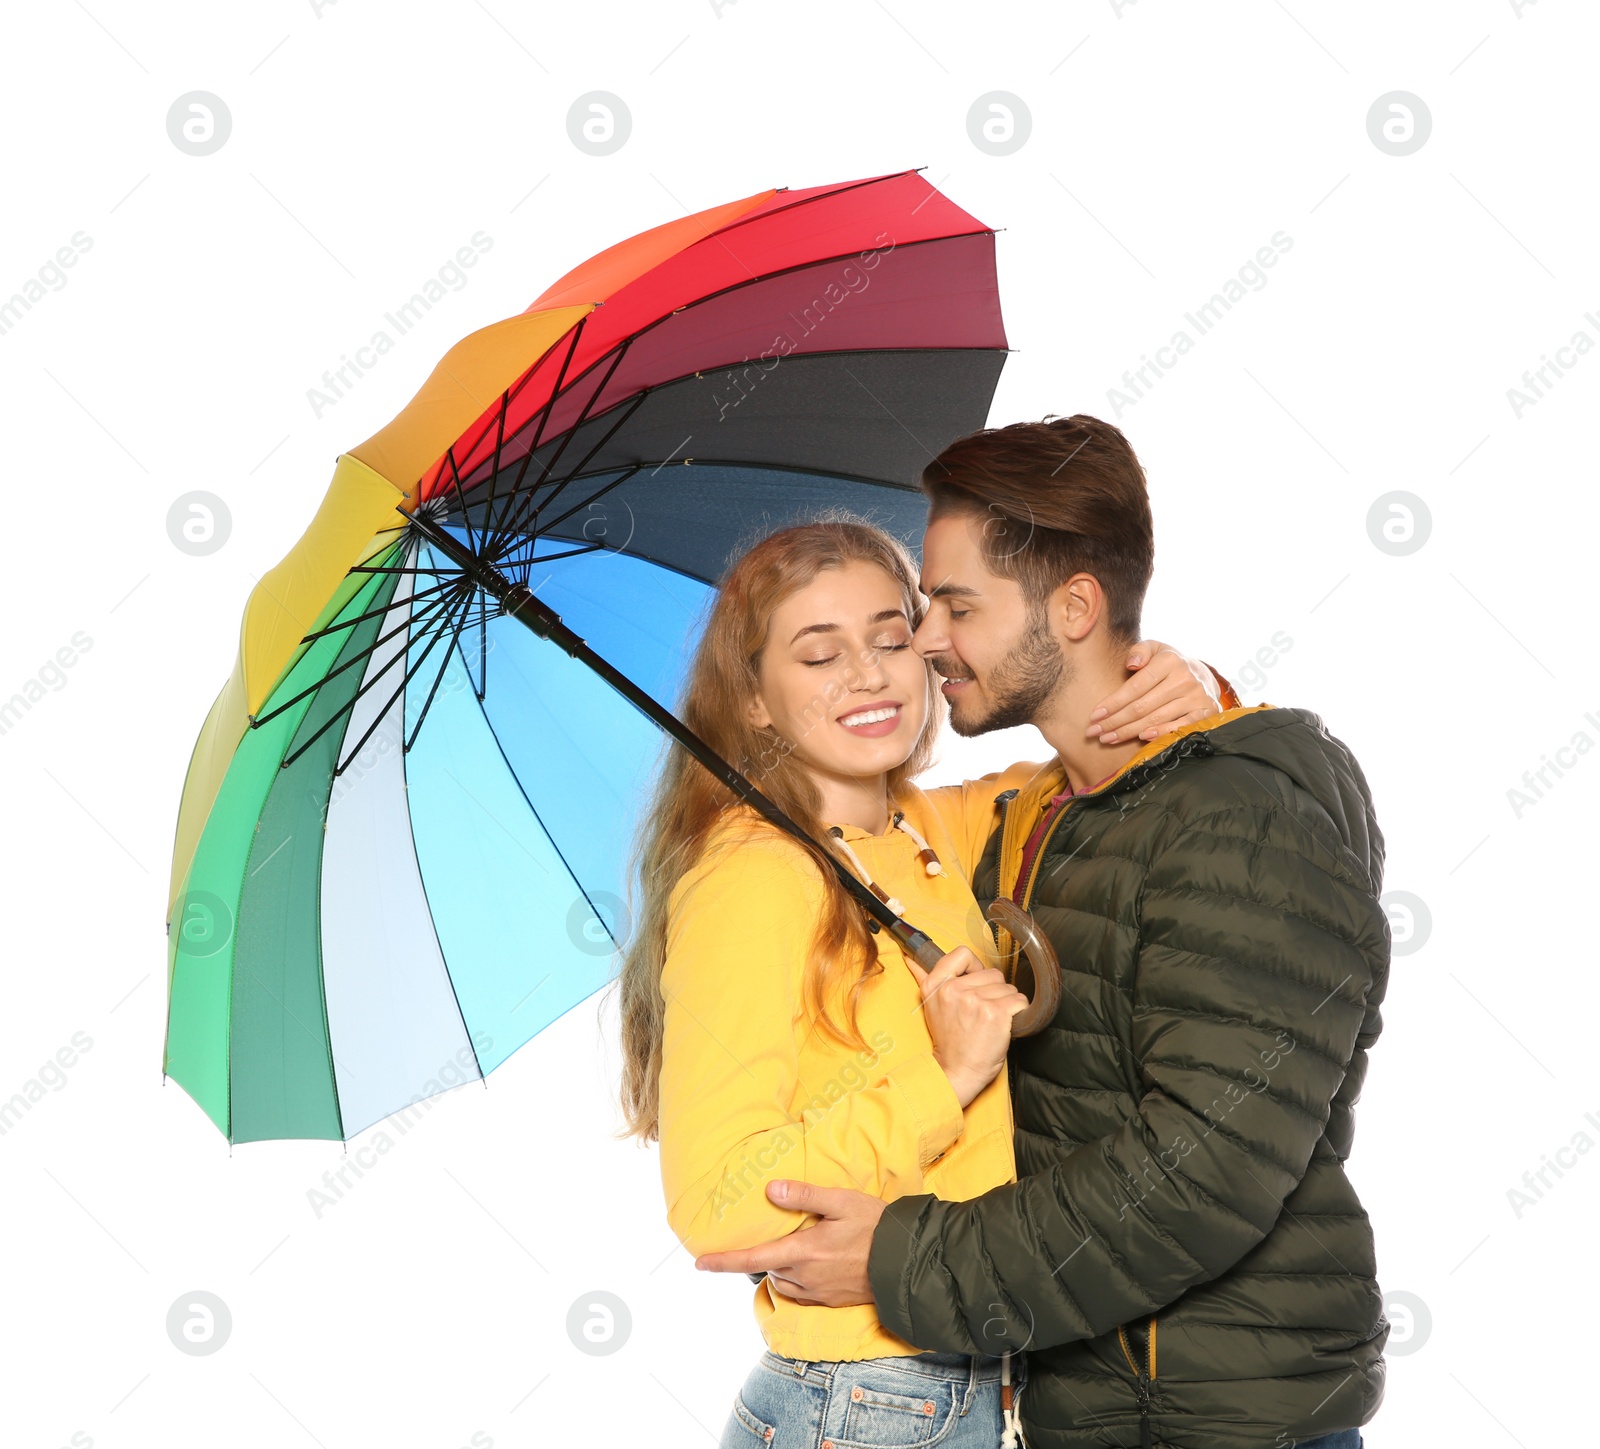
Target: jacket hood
<point>1297,742</point>
<point>1293,741</point>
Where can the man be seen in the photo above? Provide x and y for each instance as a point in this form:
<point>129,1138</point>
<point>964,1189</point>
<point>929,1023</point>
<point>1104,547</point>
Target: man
<point>1183,1255</point>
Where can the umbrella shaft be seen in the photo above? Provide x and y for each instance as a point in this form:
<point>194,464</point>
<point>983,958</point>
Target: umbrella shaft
<point>523,605</point>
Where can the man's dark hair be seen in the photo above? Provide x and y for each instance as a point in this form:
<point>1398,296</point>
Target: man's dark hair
<point>1058,497</point>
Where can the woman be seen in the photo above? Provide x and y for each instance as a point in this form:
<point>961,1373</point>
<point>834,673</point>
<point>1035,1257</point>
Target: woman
<point>769,1030</point>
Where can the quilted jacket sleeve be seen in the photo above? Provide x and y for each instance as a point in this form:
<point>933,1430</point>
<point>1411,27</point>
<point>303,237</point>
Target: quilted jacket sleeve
<point>1259,945</point>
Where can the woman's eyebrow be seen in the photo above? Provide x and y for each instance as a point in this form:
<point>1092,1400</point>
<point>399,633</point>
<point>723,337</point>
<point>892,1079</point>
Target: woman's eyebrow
<point>878,618</point>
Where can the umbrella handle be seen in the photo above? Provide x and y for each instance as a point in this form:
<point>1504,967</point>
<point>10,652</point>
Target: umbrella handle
<point>1043,966</point>
<point>1042,963</point>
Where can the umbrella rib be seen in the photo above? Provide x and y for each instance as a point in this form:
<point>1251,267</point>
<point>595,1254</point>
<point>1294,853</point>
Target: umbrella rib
<point>338,670</point>
<point>513,518</point>
<point>508,525</point>
<point>483,644</point>
<point>494,467</point>
<point>466,520</point>
<point>517,388</point>
<point>350,704</point>
<point>627,410</point>
<point>577,472</point>
<point>583,416</point>
<point>382,714</point>
<point>381,609</point>
<point>444,664</point>
<point>509,562</point>
<point>598,493</point>
<point>532,612</point>
<point>751,280</point>
<point>550,402</point>
<point>828,195</point>
<point>980,230</point>
<point>572,432</point>
<point>810,264</point>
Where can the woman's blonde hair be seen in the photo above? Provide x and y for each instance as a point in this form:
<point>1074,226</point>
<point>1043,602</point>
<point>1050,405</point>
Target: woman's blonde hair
<point>723,678</point>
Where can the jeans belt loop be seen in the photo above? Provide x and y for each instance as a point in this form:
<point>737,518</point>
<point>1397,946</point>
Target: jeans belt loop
<point>972,1386</point>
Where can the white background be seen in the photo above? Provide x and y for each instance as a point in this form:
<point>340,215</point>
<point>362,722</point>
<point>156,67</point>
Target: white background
<point>428,1303</point>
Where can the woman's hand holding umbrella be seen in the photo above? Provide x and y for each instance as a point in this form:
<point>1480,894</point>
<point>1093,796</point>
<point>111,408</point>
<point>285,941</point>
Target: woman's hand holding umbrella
<point>968,1008</point>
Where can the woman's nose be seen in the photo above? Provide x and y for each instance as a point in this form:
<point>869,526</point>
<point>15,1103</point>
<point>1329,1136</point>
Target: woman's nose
<point>869,669</point>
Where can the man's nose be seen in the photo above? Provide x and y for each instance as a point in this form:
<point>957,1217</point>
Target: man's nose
<point>928,639</point>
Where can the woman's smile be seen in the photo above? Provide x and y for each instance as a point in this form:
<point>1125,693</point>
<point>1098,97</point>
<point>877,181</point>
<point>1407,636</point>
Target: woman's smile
<point>873,720</point>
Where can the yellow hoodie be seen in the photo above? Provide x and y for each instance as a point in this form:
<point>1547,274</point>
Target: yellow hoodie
<point>751,1090</point>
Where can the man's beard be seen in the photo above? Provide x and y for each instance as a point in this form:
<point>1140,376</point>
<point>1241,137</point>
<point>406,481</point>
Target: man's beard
<point>1020,683</point>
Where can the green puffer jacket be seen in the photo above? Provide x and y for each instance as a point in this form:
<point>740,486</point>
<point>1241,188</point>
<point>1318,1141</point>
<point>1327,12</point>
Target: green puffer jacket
<point>1183,1257</point>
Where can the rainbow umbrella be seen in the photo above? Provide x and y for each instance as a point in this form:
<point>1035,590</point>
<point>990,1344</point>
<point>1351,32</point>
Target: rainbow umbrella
<point>404,833</point>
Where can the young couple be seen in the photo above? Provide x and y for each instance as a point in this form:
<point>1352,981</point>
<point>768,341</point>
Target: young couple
<point>1133,1228</point>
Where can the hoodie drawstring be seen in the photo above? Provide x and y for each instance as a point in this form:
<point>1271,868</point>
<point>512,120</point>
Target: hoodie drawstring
<point>930,861</point>
<point>1010,1397</point>
<point>1009,1412</point>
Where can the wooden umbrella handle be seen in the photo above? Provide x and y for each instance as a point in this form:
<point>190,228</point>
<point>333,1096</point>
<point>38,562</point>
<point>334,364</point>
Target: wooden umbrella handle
<point>1043,966</point>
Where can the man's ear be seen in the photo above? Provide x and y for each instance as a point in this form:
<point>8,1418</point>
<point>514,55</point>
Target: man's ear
<point>1076,607</point>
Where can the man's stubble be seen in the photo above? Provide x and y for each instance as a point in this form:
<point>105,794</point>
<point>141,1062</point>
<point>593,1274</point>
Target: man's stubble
<point>1020,684</point>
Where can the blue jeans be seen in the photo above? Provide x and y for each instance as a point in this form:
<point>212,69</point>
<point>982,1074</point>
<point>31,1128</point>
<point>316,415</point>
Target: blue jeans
<point>1340,1439</point>
<point>951,1400</point>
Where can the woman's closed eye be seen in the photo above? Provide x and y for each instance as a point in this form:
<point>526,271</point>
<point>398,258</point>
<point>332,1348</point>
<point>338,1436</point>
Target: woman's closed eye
<point>832,658</point>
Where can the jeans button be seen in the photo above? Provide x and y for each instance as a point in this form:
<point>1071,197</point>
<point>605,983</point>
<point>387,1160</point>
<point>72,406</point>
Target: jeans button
<point>855,1394</point>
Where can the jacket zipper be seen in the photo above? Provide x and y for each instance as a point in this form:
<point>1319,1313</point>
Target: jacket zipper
<point>1144,1379</point>
<point>1003,800</point>
<point>1038,859</point>
<point>1006,797</point>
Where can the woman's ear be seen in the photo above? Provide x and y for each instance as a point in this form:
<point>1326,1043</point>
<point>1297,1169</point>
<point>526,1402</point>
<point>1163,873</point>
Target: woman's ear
<point>756,713</point>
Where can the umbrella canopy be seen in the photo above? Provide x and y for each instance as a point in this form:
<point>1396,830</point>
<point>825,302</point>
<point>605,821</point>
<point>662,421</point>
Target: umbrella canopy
<point>403,839</point>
